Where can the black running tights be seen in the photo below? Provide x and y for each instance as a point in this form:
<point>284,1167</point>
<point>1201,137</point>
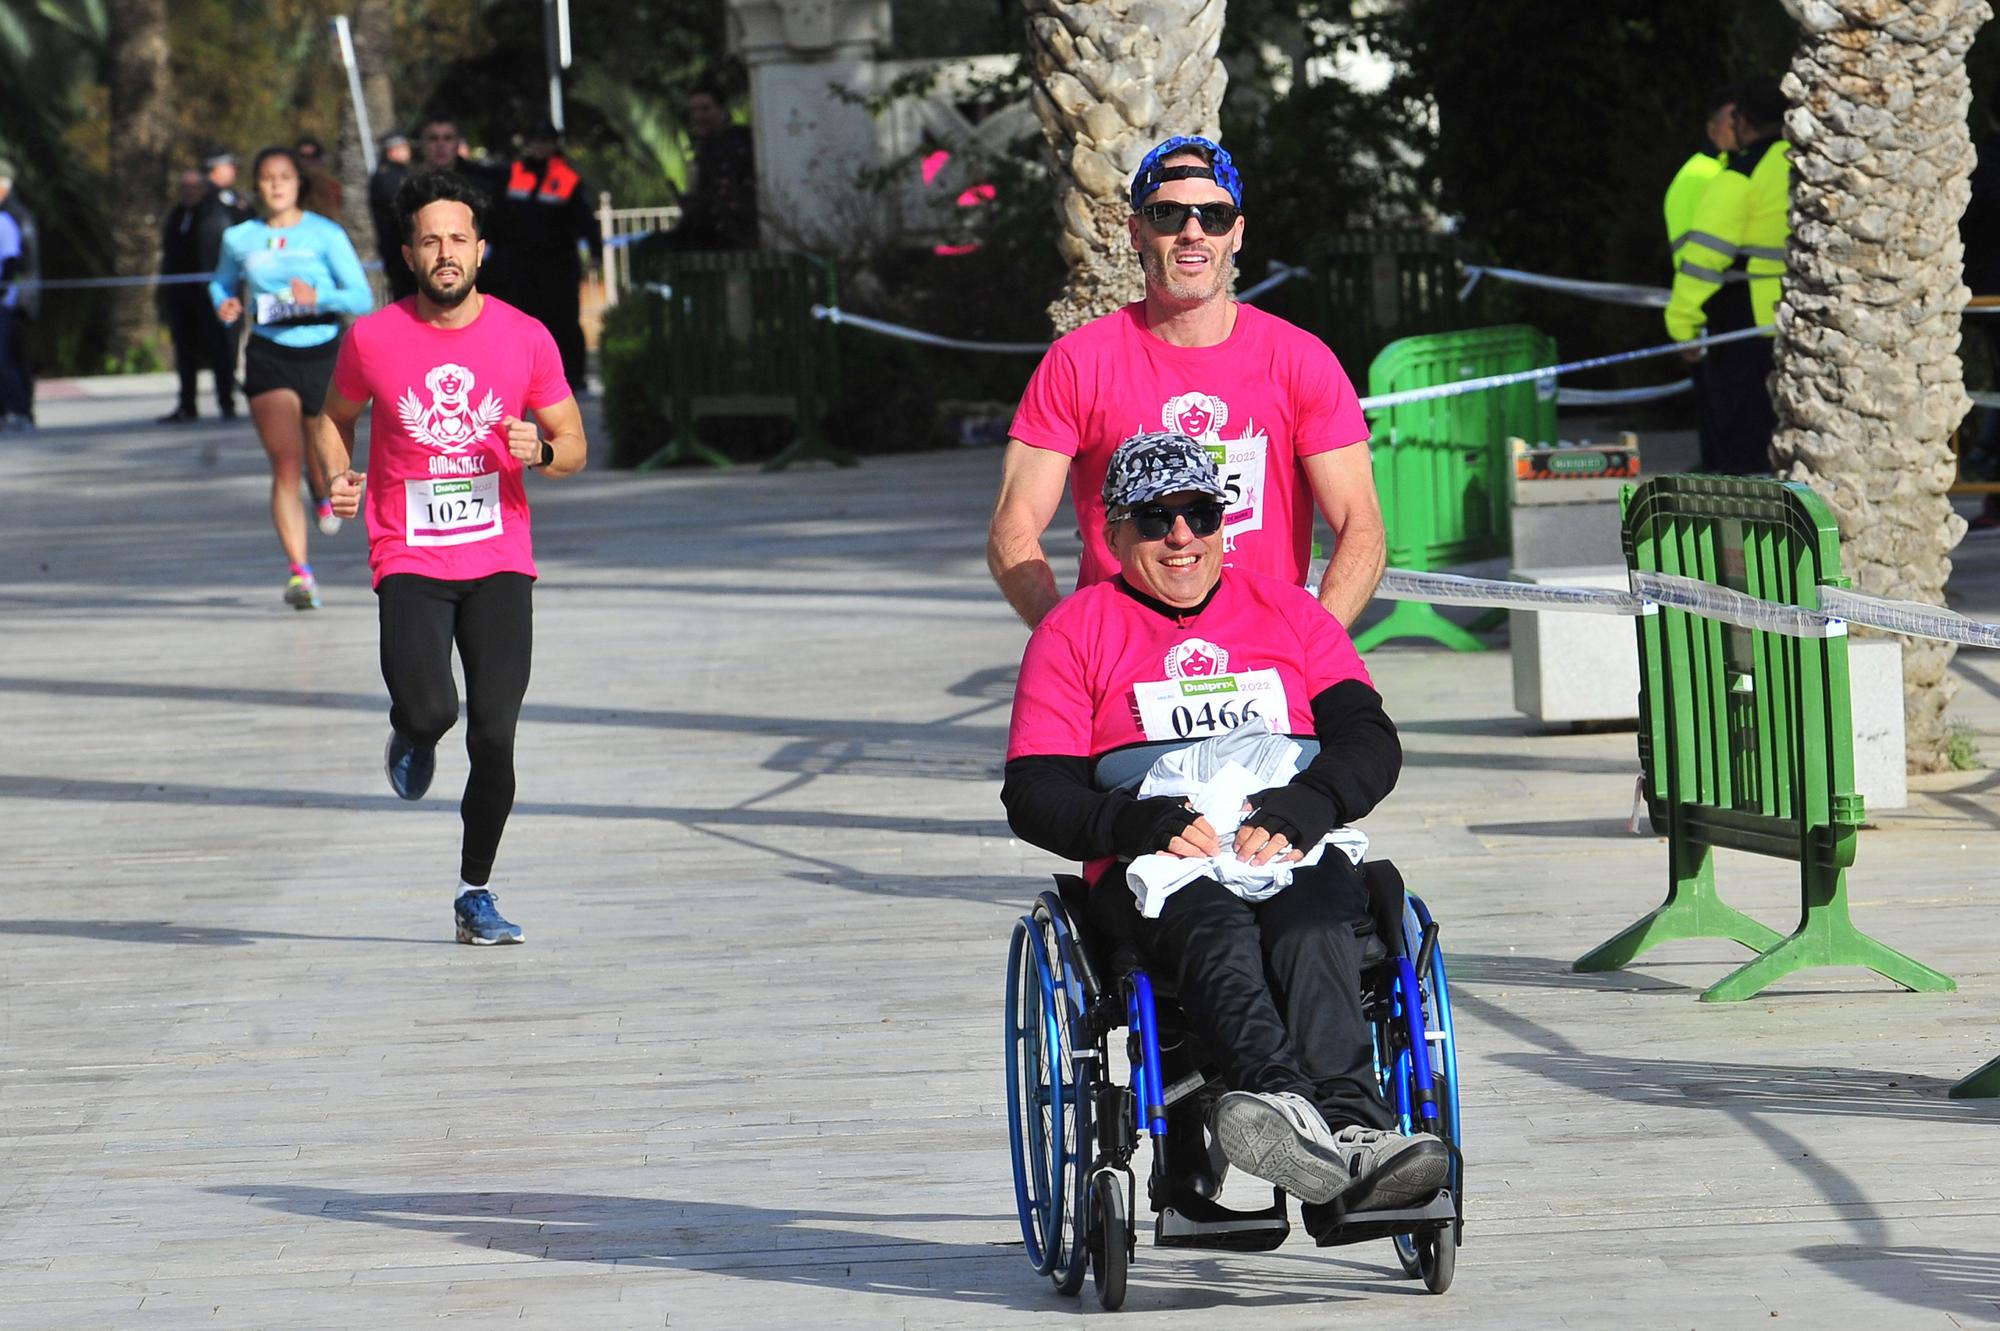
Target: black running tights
<point>492,621</point>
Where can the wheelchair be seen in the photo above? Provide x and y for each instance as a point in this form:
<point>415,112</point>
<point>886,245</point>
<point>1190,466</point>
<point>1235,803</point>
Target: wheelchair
<point>1074,1127</point>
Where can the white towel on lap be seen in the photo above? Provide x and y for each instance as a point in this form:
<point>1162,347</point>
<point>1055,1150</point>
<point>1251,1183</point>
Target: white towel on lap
<point>1216,775</point>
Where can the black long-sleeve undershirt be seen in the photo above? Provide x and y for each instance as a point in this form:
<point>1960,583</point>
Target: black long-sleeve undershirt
<point>1051,802</point>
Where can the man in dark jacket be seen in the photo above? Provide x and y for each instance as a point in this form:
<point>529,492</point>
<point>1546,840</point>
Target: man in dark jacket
<point>382,187</point>
<point>548,215</point>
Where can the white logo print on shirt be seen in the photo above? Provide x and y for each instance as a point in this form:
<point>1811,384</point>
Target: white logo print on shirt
<point>449,425</point>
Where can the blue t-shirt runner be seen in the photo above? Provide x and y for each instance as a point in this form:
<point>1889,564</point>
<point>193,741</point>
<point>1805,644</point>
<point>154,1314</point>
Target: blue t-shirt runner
<point>265,260</point>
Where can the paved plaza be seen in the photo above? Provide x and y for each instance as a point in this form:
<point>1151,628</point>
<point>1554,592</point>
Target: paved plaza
<point>745,1073</point>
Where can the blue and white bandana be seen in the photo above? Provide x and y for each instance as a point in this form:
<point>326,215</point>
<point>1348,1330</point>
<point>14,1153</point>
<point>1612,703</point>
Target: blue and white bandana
<point>1156,463</point>
<point>1152,175</point>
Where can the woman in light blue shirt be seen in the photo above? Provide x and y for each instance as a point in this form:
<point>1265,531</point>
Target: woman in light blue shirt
<point>294,273</point>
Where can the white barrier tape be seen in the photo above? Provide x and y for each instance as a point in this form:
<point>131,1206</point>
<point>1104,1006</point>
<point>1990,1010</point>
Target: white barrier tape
<point>1985,399</point>
<point>1551,371</point>
<point>26,284</point>
<point>1279,274</point>
<point>1733,607</point>
<point>1912,619</point>
<point>1400,584</point>
<point>1611,293</point>
<point>835,315</point>
<point>1840,607</point>
<point>1610,397</point>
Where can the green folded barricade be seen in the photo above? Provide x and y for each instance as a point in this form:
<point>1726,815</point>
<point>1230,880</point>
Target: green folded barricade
<point>1745,738</point>
<point>738,338</point>
<point>1442,466</point>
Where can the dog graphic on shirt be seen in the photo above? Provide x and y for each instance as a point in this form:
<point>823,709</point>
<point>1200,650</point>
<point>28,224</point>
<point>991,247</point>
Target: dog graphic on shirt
<point>449,424</point>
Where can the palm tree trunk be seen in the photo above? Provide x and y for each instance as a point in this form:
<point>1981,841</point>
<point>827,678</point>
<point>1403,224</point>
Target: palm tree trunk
<point>1866,375</point>
<point>1111,79</point>
<point>141,94</point>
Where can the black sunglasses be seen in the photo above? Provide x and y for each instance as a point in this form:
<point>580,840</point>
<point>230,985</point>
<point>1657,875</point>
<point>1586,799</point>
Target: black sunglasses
<point>1167,219</point>
<point>1154,521</point>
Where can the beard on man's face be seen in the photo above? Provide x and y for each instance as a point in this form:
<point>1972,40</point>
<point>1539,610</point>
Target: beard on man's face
<point>455,288</point>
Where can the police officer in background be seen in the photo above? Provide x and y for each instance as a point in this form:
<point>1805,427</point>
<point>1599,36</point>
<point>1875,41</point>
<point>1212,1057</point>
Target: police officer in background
<point>1701,167</point>
<point>1738,231</point>
<point>1683,196</point>
<point>221,209</point>
<point>548,214</point>
<point>382,187</point>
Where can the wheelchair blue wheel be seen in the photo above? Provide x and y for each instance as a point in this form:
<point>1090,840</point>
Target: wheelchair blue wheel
<point>1048,1110</point>
<point>1432,1256</point>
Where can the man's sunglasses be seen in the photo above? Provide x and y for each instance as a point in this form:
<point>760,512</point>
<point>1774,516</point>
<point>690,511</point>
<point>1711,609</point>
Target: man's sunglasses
<point>1167,219</point>
<point>1154,521</point>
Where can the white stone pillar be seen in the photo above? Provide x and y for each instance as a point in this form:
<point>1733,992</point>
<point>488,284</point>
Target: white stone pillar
<point>812,145</point>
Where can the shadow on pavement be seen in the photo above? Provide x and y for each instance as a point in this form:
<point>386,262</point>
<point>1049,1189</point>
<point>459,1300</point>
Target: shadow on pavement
<point>1955,1282</point>
<point>755,1243</point>
<point>165,931</point>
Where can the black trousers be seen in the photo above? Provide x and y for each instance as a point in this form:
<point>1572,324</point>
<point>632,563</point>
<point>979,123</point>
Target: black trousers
<point>550,292</point>
<point>1733,402</point>
<point>1271,989</point>
<point>200,339</point>
<point>492,621</point>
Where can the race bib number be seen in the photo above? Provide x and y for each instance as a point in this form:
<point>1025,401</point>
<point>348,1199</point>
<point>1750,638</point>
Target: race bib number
<point>1241,464</point>
<point>452,510</point>
<point>1212,705</point>
<point>274,309</point>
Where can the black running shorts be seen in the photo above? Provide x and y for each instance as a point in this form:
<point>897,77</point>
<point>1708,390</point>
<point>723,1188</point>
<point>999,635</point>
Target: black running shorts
<point>268,367</point>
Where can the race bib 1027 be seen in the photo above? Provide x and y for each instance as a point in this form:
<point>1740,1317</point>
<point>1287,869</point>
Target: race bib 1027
<point>1211,704</point>
<point>452,510</point>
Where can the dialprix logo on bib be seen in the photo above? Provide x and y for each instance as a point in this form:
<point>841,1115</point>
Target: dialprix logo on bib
<point>449,424</point>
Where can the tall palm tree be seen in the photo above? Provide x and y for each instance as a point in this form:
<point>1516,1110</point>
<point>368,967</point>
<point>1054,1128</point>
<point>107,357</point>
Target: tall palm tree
<point>1112,78</point>
<point>1866,376</point>
<point>141,87</point>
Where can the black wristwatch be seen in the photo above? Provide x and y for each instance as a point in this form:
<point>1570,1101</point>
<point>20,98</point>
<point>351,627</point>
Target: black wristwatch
<point>548,455</point>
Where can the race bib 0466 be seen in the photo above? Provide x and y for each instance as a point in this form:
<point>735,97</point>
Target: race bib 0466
<point>452,510</point>
<point>1211,704</point>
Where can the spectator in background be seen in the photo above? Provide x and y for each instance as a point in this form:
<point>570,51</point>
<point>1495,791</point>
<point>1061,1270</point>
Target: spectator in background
<point>220,168</point>
<point>14,407</point>
<point>719,210</point>
<point>323,193</point>
<point>199,337</point>
<point>382,187</point>
<point>547,217</point>
<point>28,303</point>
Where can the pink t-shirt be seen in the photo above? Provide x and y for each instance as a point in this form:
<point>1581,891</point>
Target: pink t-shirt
<point>444,496</point>
<point>1265,397</point>
<point>1105,670</point>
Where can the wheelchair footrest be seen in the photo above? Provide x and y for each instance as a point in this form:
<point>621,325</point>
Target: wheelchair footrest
<point>1194,1222</point>
<point>1364,1226</point>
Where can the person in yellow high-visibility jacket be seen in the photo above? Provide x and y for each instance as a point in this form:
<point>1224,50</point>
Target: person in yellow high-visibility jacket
<point>1727,277</point>
<point>1685,192</point>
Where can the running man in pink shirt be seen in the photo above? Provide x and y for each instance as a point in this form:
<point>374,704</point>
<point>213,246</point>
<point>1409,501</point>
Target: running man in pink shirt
<point>1266,399</point>
<point>454,375</point>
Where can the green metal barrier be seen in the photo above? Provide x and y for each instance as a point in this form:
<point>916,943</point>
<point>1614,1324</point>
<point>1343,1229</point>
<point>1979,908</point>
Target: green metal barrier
<point>738,338</point>
<point>1745,737</point>
<point>1442,467</point>
<point>1372,287</point>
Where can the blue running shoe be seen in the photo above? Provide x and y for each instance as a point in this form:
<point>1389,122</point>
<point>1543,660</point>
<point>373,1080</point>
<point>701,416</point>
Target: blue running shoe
<point>410,766</point>
<point>479,920</point>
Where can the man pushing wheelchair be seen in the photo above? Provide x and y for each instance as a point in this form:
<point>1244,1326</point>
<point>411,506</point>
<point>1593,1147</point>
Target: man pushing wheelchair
<point>1196,735</point>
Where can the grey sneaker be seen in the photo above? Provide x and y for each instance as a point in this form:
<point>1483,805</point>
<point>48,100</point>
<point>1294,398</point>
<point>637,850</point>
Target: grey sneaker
<point>1281,1138</point>
<point>1389,1170</point>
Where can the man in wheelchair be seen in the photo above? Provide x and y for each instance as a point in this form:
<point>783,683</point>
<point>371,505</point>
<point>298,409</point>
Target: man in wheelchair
<point>1176,650</point>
